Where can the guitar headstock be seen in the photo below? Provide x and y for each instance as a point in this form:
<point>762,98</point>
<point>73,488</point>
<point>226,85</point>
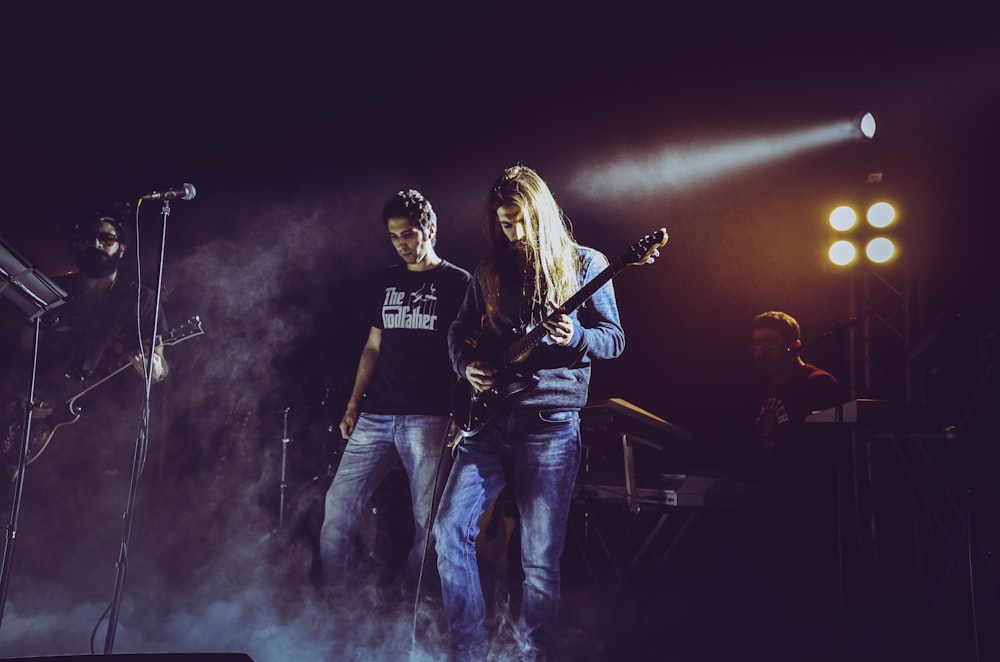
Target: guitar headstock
<point>646,249</point>
<point>189,329</point>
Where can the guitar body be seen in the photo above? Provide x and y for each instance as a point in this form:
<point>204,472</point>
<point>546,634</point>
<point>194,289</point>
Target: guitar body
<point>42,430</point>
<point>473,409</point>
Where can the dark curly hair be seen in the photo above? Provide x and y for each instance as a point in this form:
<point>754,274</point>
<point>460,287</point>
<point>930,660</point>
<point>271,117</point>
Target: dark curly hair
<point>412,205</point>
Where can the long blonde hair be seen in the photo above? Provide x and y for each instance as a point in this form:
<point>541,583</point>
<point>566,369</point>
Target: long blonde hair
<point>551,252</point>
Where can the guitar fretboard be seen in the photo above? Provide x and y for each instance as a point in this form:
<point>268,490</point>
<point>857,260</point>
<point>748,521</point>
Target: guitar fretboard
<point>530,340</point>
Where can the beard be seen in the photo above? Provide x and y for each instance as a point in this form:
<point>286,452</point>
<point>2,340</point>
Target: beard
<point>95,264</point>
<point>516,256</point>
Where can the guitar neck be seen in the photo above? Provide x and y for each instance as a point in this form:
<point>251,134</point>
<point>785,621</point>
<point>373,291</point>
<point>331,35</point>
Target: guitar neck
<point>530,340</point>
<point>121,368</point>
<point>191,329</point>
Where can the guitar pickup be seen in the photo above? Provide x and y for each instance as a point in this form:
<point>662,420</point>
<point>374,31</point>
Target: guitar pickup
<point>79,374</point>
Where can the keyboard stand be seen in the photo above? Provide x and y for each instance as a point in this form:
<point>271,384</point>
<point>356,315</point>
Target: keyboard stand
<point>637,497</point>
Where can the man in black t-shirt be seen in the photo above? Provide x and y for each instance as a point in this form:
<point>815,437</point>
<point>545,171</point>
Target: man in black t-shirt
<point>791,544</point>
<point>400,406</point>
<point>787,390</point>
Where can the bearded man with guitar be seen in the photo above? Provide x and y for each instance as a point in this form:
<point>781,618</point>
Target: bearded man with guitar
<point>84,341</point>
<point>524,340</point>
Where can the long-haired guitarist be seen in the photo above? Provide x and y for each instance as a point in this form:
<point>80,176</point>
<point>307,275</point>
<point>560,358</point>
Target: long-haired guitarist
<point>533,266</point>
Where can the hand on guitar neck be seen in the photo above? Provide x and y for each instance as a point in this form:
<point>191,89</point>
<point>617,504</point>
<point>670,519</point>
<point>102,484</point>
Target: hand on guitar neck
<point>159,367</point>
<point>559,325</point>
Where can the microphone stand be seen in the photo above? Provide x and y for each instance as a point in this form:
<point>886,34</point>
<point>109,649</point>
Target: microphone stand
<point>139,457</point>
<point>283,487</point>
<point>839,333</point>
<point>32,294</point>
<point>10,531</point>
<point>283,471</point>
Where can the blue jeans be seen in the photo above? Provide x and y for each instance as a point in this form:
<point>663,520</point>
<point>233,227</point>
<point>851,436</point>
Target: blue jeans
<point>543,449</point>
<point>375,445</point>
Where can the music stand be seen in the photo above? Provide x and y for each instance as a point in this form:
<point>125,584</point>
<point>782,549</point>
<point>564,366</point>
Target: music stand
<point>32,294</point>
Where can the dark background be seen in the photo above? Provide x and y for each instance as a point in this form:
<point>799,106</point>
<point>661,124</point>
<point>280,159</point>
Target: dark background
<point>296,122</point>
<point>295,125</point>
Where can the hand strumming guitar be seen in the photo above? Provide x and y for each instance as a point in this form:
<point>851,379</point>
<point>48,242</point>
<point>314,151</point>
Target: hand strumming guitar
<point>481,375</point>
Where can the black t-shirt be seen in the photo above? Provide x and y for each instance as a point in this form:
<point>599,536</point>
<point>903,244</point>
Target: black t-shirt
<point>783,437</point>
<point>97,337</point>
<point>413,374</point>
<point>84,340</point>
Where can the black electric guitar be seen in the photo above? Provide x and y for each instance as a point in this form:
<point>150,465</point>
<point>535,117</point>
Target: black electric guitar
<point>473,409</point>
<point>69,412</point>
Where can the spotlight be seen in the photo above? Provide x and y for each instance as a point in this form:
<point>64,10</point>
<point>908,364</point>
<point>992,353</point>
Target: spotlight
<point>843,218</point>
<point>881,215</point>
<point>880,250</point>
<point>843,253</point>
<point>864,125</point>
<point>850,235</point>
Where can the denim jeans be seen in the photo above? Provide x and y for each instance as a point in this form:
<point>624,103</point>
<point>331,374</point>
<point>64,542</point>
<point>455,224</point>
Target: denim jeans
<point>376,443</point>
<point>543,450</point>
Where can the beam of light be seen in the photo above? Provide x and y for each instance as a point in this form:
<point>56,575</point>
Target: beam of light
<point>675,168</point>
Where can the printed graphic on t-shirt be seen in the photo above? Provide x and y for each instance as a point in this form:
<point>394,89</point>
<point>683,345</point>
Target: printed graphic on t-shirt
<point>772,414</point>
<point>410,310</point>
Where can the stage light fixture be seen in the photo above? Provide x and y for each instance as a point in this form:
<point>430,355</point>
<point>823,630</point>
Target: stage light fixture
<point>843,253</point>
<point>864,124</point>
<point>843,218</point>
<point>881,215</point>
<point>880,250</point>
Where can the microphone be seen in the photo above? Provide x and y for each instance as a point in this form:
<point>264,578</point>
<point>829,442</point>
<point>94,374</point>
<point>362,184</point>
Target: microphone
<point>186,192</point>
